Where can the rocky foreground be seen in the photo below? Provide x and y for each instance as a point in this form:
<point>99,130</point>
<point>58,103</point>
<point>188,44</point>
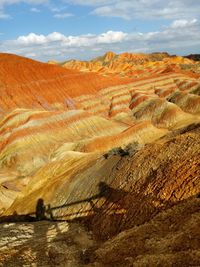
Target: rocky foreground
<point>100,168</point>
<point>172,238</point>
<point>148,214</point>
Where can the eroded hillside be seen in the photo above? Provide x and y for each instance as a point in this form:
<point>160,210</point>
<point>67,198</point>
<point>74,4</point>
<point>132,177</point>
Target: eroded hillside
<point>138,208</point>
<point>135,65</point>
<point>115,155</point>
<point>26,83</point>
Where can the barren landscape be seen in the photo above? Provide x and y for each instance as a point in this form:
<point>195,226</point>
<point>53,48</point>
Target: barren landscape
<point>100,161</point>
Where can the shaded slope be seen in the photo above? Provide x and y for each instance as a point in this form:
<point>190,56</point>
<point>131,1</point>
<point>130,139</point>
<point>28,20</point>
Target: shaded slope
<point>169,239</point>
<point>195,57</point>
<point>147,179</point>
<point>154,207</point>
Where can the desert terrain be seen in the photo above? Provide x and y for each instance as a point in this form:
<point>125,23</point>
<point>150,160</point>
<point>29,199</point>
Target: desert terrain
<point>111,148</point>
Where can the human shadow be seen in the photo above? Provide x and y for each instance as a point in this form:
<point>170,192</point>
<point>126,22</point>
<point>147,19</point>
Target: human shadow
<point>45,212</point>
<point>40,210</point>
<point>39,220</point>
<point>38,215</point>
<point>118,210</point>
<point>116,202</point>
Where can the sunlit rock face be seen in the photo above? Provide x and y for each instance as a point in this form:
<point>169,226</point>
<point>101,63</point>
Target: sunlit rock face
<point>43,244</point>
<point>135,65</point>
<point>110,144</point>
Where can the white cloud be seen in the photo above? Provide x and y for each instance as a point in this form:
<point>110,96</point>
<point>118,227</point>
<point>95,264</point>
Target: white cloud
<point>4,15</point>
<point>181,37</point>
<point>111,37</point>
<point>143,9</point>
<point>31,39</point>
<point>182,23</point>
<point>56,9</point>
<point>70,41</point>
<point>126,9</point>
<point>63,15</point>
<point>35,10</point>
<point>55,36</point>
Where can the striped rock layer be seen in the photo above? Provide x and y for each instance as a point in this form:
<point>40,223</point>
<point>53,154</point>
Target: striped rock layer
<point>56,124</point>
<point>134,65</point>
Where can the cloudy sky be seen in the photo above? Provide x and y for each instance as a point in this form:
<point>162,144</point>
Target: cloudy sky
<point>82,29</point>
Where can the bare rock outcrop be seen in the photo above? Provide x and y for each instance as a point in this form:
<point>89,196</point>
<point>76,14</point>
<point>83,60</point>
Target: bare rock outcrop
<point>169,239</point>
<point>100,162</point>
<point>43,244</point>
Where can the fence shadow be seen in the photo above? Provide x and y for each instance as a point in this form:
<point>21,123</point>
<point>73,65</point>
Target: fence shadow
<point>45,212</point>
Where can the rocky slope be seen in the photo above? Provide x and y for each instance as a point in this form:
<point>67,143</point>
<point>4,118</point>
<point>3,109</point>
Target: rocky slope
<point>169,239</point>
<point>135,65</point>
<point>26,83</point>
<point>140,209</point>
<point>60,133</point>
<point>195,57</point>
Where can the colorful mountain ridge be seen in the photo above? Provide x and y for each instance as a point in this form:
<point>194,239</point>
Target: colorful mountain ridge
<point>112,143</point>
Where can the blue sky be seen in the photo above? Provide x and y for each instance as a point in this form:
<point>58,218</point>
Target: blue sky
<point>64,29</point>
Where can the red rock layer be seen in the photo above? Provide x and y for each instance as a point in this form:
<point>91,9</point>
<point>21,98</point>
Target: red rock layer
<point>29,84</point>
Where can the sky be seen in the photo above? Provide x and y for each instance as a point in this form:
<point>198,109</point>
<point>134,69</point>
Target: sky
<point>82,29</point>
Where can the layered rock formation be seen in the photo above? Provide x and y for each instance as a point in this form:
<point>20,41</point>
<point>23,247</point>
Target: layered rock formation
<point>59,133</point>
<point>145,204</point>
<point>26,83</point>
<point>135,65</point>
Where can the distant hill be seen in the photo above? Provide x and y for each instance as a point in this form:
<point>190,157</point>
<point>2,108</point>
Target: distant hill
<point>195,57</point>
<point>133,65</point>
